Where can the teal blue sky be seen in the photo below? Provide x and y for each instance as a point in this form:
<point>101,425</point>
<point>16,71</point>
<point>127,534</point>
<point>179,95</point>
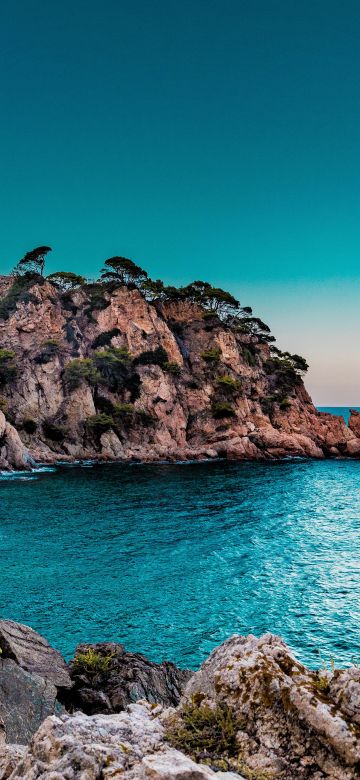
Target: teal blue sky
<point>215,140</point>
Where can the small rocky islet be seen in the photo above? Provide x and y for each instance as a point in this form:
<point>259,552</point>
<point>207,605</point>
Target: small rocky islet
<point>251,711</point>
<point>125,368</point>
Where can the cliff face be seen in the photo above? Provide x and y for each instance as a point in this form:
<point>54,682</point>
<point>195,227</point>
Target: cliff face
<point>116,377</point>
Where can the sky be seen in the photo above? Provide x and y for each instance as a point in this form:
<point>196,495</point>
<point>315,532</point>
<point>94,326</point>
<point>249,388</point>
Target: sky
<point>213,140</point>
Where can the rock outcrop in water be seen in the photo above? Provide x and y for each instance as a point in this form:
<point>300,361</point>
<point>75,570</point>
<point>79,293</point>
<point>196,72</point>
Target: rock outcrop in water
<point>252,711</point>
<point>101,373</point>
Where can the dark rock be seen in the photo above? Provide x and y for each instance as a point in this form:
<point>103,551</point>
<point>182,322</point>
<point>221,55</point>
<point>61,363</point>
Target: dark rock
<point>26,699</point>
<point>129,677</point>
<point>32,652</point>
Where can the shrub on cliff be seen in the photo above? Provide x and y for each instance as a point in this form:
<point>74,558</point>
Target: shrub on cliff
<point>206,733</point>
<point>249,355</point>
<point>211,355</point>
<point>92,663</point>
<point>54,431</point>
<point>228,383</point>
<point>284,404</point>
<point>50,348</point>
<point>8,369</point>
<point>286,370</point>
<point>114,366</point>
<point>81,370</point>
<point>222,409</point>
<point>267,403</point>
<point>97,300</point>
<point>155,357</point>
<point>99,423</point>
<point>172,367</point>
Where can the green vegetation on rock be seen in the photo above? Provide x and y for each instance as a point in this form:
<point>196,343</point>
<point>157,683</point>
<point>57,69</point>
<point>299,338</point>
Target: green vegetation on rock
<point>211,355</point>
<point>228,383</point>
<point>92,663</point>
<point>8,369</point>
<point>221,409</point>
<point>81,370</point>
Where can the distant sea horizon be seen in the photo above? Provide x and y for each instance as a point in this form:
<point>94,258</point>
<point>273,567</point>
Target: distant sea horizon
<point>339,410</point>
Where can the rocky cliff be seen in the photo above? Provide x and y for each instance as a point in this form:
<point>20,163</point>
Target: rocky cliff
<point>251,712</point>
<point>99,372</point>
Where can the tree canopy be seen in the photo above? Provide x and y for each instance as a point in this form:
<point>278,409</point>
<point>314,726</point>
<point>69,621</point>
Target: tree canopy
<point>123,270</point>
<point>33,261</point>
<point>66,280</point>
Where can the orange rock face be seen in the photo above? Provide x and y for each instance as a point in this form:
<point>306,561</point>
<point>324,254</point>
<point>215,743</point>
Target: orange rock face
<point>169,399</point>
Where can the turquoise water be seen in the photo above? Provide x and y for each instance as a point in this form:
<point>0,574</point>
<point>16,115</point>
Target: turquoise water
<point>344,411</point>
<point>172,559</point>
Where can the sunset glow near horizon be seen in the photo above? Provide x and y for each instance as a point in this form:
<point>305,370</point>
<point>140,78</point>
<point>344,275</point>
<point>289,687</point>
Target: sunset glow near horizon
<point>208,140</point>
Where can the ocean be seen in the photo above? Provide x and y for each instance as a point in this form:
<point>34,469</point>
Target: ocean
<point>173,559</point>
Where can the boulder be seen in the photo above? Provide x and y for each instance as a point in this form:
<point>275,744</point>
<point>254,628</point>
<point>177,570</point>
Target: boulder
<point>354,422</point>
<point>25,701</point>
<point>33,653</point>
<point>292,722</point>
<point>129,677</point>
<point>10,756</point>
<point>129,745</point>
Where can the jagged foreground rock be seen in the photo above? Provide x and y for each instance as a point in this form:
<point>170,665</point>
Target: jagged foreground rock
<point>130,677</point>
<point>252,711</point>
<point>157,405</point>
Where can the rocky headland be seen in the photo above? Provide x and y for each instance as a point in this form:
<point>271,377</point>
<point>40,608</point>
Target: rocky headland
<point>127,369</point>
<point>251,712</point>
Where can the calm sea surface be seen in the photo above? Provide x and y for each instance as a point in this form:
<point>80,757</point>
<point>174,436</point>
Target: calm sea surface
<point>172,559</point>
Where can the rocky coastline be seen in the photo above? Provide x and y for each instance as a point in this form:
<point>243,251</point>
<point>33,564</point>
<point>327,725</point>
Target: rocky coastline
<point>99,372</point>
<point>251,712</point>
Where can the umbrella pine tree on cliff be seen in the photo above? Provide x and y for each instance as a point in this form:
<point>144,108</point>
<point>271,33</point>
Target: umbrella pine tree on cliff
<point>122,270</point>
<point>33,261</point>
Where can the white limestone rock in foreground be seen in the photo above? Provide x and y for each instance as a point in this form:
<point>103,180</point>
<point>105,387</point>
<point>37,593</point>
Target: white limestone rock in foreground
<point>128,746</point>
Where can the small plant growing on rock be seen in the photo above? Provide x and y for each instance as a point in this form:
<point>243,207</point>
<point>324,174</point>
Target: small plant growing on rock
<point>124,410</point>
<point>321,683</point>
<point>206,734</point>
<point>222,409</point>
<point>211,355</point>
<point>228,382</point>
<point>267,403</point>
<point>285,404</point>
<point>8,368</point>
<point>113,363</point>
<point>145,417</point>
<point>92,663</point>
<point>99,423</point>
<point>81,370</point>
<point>249,356</point>
<point>98,301</point>
<point>50,348</point>
<point>172,368</point>
<point>152,357</point>
<point>54,431</point>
